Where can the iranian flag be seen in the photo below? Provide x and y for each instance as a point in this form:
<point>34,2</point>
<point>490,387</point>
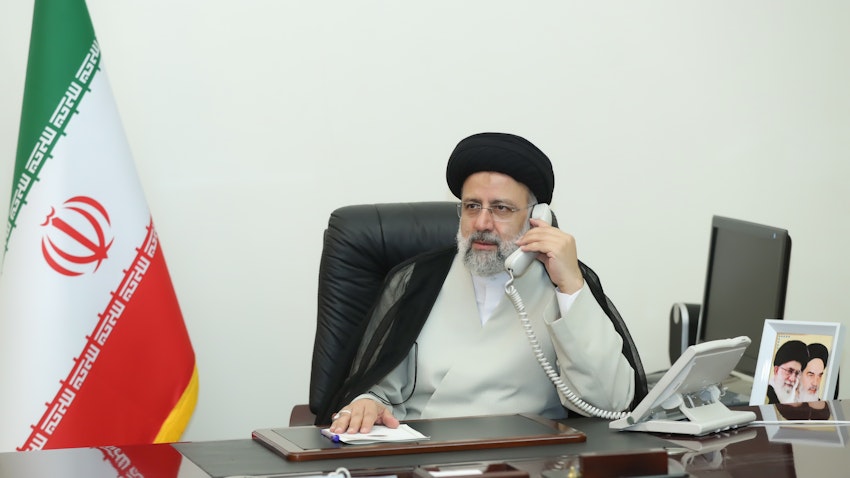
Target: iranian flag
<point>93,348</point>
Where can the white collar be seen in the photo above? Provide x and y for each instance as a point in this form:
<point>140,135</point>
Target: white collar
<point>488,292</point>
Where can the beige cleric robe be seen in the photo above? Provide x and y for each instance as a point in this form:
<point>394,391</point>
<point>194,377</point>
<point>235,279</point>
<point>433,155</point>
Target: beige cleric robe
<point>460,367</point>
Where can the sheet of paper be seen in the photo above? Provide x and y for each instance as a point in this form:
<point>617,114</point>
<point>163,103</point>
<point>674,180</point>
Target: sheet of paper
<point>379,434</point>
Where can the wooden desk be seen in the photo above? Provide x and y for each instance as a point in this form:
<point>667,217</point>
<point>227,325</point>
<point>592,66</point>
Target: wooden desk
<point>772,451</point>
<point>221,459</point>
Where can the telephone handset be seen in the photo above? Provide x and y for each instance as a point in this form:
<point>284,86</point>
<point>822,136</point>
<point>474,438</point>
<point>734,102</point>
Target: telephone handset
<point>519,260</point>
<point>516,264</point>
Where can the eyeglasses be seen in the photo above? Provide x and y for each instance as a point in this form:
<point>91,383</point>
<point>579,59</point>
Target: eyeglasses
<point>499,212</point>
<point>790,372</point>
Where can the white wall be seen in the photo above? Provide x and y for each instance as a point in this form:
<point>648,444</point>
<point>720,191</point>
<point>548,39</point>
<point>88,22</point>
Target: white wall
<point>252,120</point>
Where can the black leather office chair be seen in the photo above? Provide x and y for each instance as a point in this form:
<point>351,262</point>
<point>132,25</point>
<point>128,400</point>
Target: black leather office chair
<point>362,243</point>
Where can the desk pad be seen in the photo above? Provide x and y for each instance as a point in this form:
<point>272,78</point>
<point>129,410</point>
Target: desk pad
<point>446,434</point>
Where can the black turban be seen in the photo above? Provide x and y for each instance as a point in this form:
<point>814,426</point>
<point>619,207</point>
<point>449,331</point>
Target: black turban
<point>791,350</point>
<point>502,153</point>
<point>820,351</point>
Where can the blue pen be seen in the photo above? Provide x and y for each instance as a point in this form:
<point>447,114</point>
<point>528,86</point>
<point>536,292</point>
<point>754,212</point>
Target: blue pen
<point>333,436</point>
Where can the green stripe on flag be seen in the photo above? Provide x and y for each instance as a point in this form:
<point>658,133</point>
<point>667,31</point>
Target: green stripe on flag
<point>63,58</point>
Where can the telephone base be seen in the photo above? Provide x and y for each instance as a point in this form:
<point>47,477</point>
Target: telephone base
<point>686,400</point>
<point>701,420</point>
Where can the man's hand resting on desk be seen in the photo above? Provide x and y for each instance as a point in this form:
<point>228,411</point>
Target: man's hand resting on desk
<point>360,415</point>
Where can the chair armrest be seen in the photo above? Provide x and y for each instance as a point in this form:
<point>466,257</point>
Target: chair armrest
<point>301,415</point>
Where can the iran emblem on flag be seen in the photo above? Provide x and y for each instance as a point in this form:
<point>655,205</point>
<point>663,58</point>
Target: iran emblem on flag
<point>94,348</point>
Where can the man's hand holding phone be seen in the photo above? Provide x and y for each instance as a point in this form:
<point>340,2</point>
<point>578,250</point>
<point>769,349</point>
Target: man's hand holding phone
<point>557,250</point>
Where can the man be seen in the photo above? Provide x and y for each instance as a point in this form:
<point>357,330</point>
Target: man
<point>807,389</point>
<point>787,366</point>
<point>470,355</point>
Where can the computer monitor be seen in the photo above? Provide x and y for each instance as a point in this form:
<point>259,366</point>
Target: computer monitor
<point>745,284</point>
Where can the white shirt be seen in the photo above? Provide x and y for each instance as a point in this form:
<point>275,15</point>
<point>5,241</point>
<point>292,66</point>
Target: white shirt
<point>490,290</point>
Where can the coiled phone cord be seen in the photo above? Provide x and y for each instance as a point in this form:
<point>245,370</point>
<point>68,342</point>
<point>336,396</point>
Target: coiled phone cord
<point>553,375</point>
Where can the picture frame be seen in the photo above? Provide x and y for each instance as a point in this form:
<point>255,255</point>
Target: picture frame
<point>791,381</point>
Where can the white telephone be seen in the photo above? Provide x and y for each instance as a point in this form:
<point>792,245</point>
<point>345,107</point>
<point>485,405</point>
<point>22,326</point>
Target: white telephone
<point>516,264</point>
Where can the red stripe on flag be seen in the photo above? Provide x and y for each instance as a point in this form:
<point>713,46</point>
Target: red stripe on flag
<point>133,369</point>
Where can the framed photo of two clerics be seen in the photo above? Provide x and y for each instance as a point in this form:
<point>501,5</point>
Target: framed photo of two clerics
<point>798,362</point>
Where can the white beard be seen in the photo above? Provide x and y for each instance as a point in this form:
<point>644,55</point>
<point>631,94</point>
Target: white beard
<point>487,263</point>
<point>784,393</point>
<point>805,396</point>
